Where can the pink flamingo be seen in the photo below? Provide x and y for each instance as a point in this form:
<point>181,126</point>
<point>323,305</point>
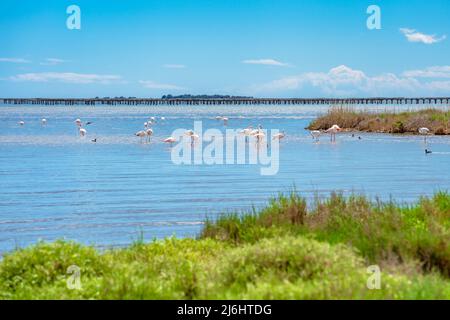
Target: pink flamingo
<point>141,134</point>
<point>333,130</point>
<point>246,132</point>
<point>279,136</point>
<point>170,140</point>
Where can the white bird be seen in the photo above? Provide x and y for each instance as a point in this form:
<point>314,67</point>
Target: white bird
<point>246,131</point>
<point>256,131</point>
<point>279,136</point>
<point>333,130</point>
<point>259,136</point>
<point>315,134</point>
<point>44,121</point>
<point>21,123</point>
<point>145,125</point>
<point>163,118</point>
<point>78,122</point>
<point>193,135</point>
<point>170,140</point>
<point>224,119</point>
<point>424,131</point>
<point>83,132</point>
<point>141,134</point>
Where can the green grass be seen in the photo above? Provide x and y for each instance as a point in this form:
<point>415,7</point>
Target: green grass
<point>288,250</point>
<point>381,232</point>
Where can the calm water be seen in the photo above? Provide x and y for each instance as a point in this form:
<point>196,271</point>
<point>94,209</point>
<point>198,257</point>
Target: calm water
<point>54,184</point>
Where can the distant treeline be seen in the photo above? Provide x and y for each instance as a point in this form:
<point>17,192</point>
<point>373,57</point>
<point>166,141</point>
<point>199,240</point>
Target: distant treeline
<point>203,96</point>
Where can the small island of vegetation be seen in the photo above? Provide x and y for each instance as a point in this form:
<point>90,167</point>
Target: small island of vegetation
<point>437,121</point>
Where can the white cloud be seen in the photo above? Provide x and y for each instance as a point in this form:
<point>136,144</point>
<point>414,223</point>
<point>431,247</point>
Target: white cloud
<point>344,81</point>
<point>160,86</point>
<point>69,77</point>
<point>52,62</point>
<point>415,36</point>
<point>441,86</point>
<point>340,79</point>
<point>430,72</point>
<point>15,60</point>
<point>391,84</point>
<point>267,62</point>
<point>174,66</point>
<point>288,83</point>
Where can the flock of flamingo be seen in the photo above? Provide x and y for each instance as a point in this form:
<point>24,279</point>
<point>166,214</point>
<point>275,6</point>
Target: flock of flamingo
<point>147,132</point>
<point>248,132</point>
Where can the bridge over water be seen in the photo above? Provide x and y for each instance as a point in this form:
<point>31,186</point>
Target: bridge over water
<point>229,101</point>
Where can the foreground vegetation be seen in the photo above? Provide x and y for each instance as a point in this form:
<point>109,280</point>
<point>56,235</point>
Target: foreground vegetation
<point>288,250</point>
<point>438,121</point>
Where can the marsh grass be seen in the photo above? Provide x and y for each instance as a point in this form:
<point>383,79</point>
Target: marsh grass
<point>381,232</point>
<point>290,249</point>
<point>438,121</point>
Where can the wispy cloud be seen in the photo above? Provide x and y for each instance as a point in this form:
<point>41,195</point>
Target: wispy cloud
<point>69,77</point>
<point>267,62</point>
<point>441,86</point>
<point>15,60</point>
<point>160,86</point>
<point>430,72</point>
<point>52,62</point>
<point>174,66</point>
<point>339,80</point>
<point>415,36</point>
<point>345,81</point>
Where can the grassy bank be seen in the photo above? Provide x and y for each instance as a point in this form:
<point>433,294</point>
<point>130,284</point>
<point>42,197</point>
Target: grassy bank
<point>288,250</point>
<point>438,121</point>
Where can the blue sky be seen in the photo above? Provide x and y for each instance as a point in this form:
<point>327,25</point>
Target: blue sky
<point>283,48</point>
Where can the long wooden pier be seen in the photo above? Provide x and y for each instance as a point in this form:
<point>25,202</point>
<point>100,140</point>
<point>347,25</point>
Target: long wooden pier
<point>230,101</point>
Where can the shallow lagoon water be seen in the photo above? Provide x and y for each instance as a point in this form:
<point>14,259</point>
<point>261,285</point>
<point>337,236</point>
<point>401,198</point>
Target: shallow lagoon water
<point>54,184</point>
